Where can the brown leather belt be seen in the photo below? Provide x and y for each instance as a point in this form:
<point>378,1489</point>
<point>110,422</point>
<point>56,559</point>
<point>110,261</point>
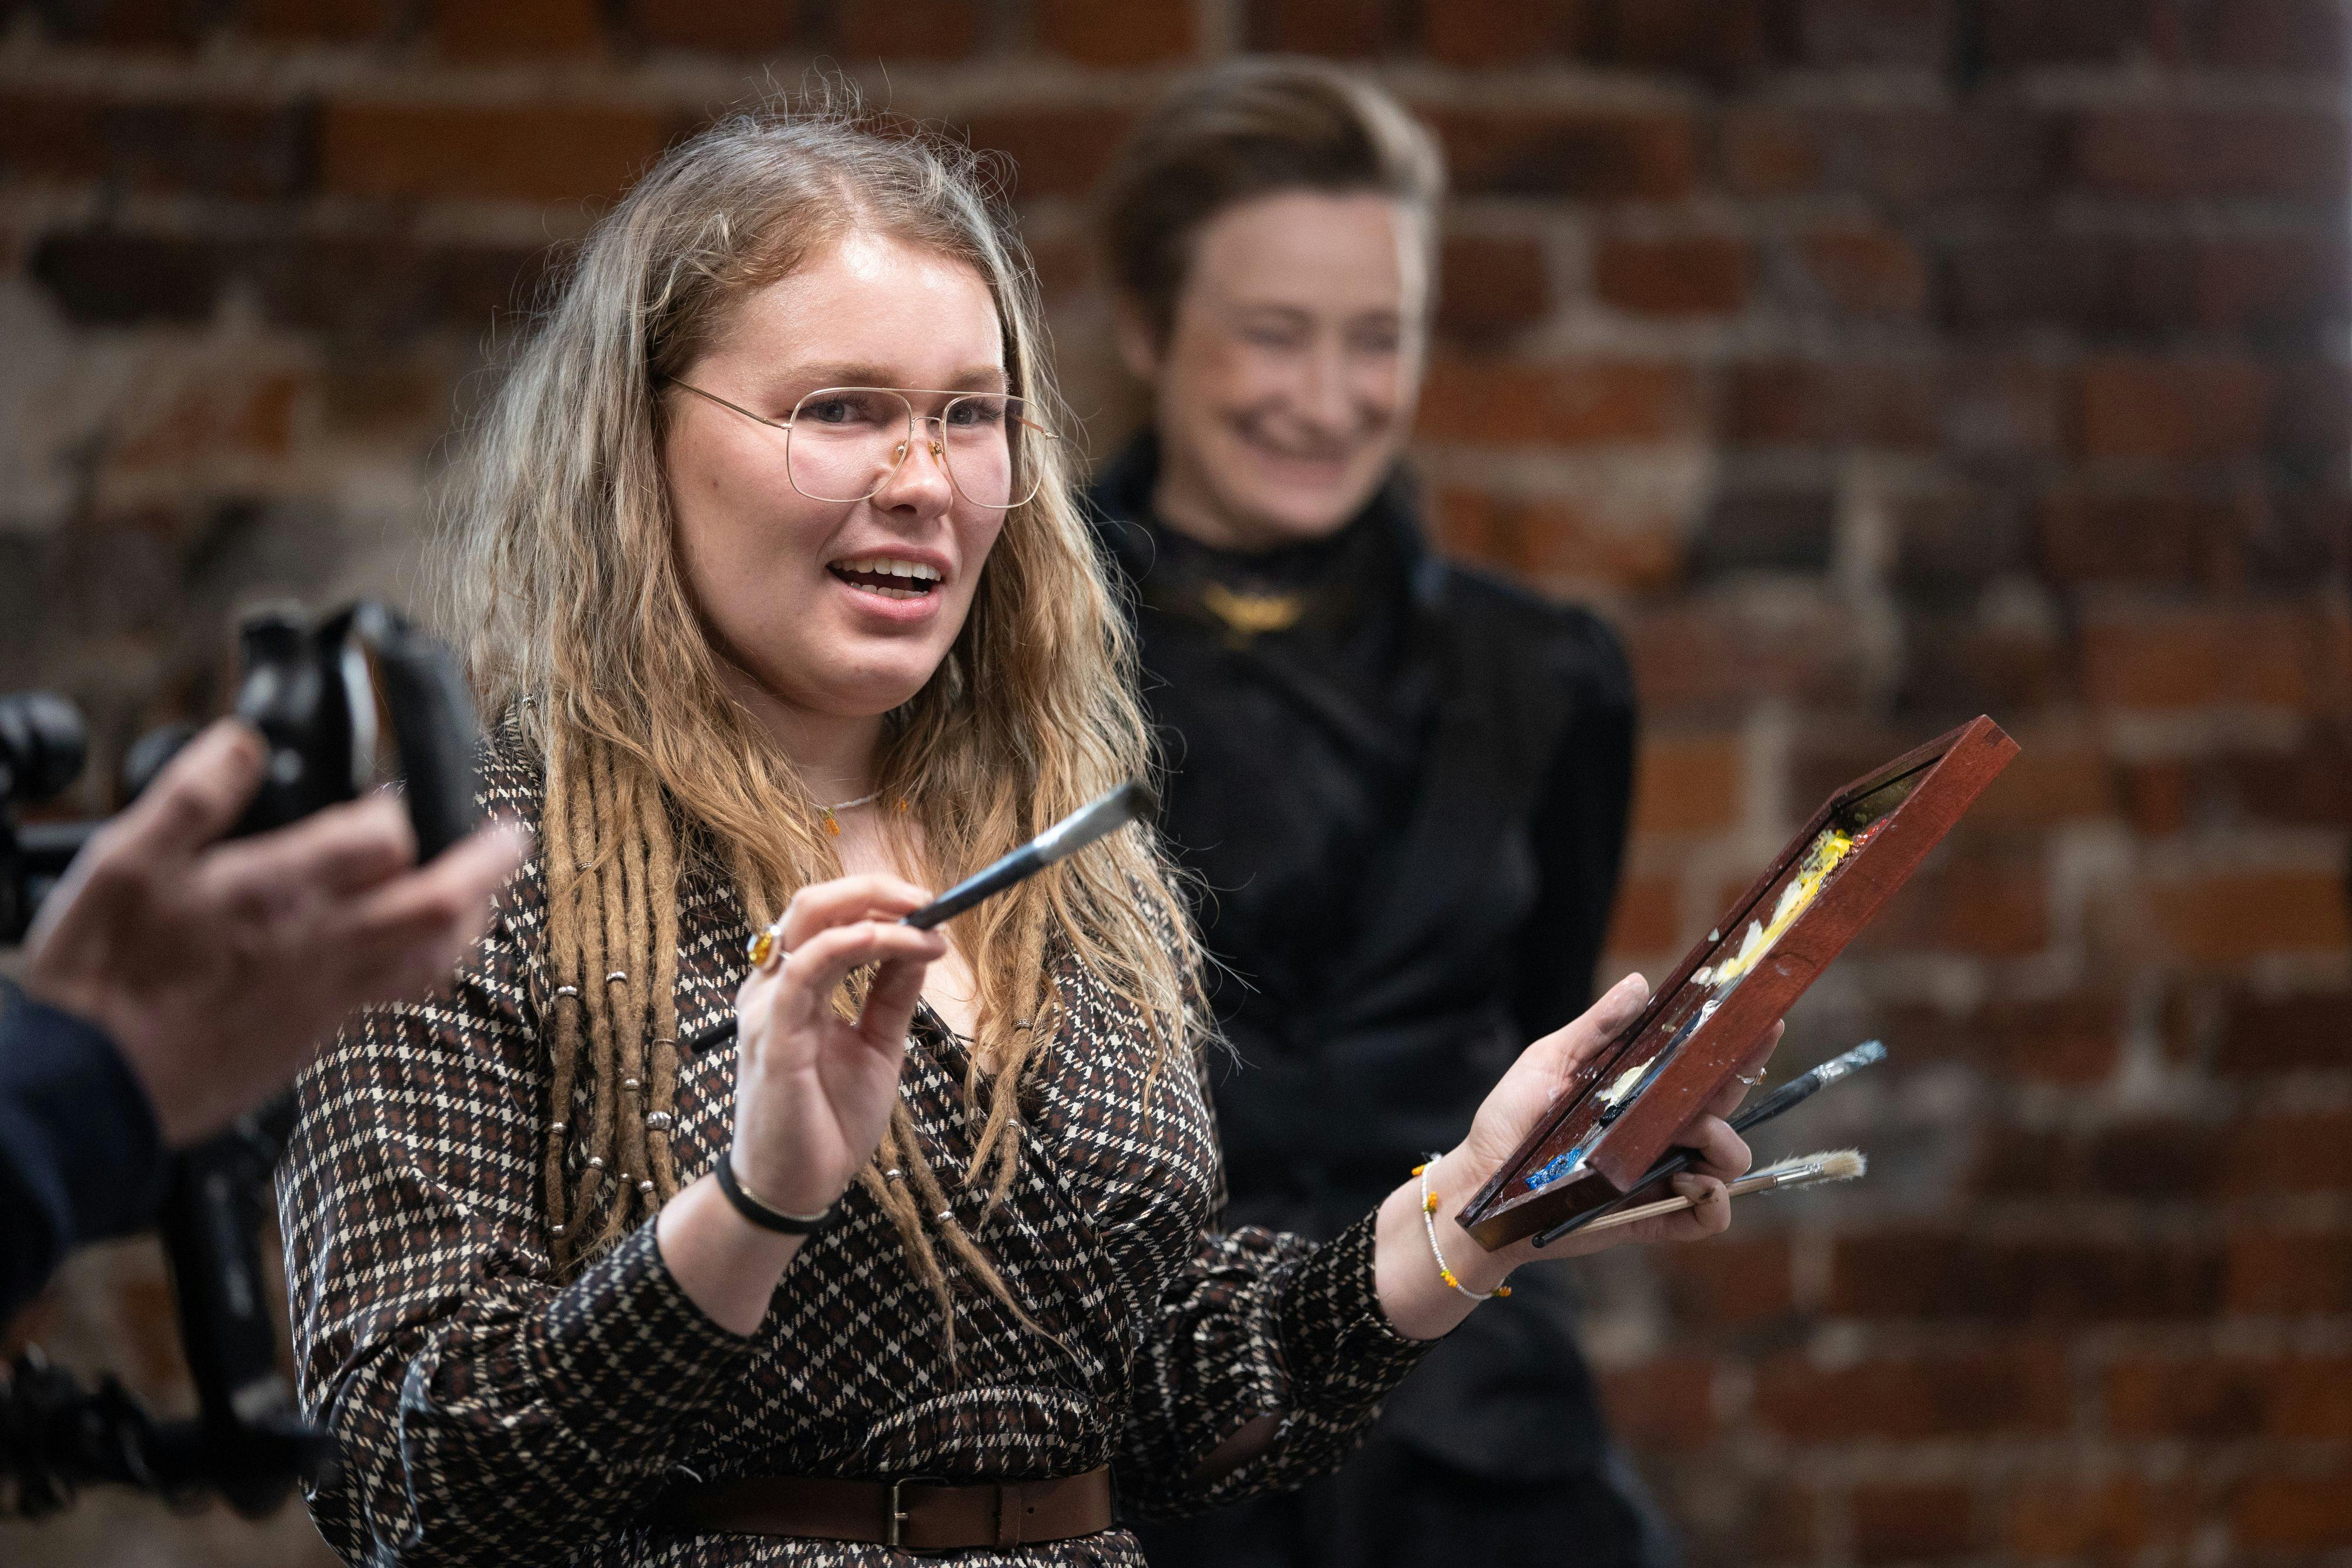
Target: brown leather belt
<point>920,1516</point>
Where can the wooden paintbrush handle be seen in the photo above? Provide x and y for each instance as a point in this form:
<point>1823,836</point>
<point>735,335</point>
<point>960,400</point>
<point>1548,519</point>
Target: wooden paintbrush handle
<point>1840,1166</point>
<point>1759,1182</point>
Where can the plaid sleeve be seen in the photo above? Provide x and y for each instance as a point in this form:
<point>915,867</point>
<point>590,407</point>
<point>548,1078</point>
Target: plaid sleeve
<point>1259,1324</point>
<point>481,1410</point>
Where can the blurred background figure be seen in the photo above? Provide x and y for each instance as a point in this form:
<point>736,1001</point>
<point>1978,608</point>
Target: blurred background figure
<point>1403,786</point>
<point>1869,365</point>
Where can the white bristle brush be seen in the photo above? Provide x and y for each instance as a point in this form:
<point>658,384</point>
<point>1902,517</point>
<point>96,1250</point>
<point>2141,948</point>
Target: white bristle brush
<point>1805,1170</point>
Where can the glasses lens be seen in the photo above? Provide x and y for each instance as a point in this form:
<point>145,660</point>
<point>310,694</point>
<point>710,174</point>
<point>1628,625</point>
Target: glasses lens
<point>844,440</point>
<point>992,449</point>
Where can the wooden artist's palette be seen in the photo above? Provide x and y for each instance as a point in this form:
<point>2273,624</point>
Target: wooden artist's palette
<point>1620,1110</point>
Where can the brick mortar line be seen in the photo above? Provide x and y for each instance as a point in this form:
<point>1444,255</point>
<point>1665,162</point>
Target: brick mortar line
<point>2264,1341</point>
<point>226,55</point>
<point>2039,89</point>
<point>674,80</point>
<point>1834,1466</point>
<point>2090,1221</point>
<point>2081,215</point>
<point>2149,736</point>
<point>1018,82</point>
<point>325,216</point>
<point>2195,1097</point>
<point>2088,1368</point>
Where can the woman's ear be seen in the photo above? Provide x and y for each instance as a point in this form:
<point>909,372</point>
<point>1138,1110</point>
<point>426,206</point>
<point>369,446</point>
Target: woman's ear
<point>1138,344</point>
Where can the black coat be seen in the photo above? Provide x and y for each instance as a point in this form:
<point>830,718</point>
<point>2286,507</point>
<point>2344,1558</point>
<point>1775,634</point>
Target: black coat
<point>80,1157</point>
<point>1407,811</point>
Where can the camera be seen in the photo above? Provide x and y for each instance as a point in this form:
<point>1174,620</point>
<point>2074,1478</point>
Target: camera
<point>339,702</point>
<point>43,743</point>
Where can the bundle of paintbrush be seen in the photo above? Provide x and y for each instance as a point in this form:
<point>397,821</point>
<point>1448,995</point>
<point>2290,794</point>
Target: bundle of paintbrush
<point>1788,1097</point>
<point>1805,1170</point>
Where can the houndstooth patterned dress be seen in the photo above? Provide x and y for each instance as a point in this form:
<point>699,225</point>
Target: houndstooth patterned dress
<point>486,1415</point>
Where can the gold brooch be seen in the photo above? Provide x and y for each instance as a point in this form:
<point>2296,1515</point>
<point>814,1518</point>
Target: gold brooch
<point>1251,614</point>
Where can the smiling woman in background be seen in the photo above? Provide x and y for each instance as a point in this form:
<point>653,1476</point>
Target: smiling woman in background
<point>1403,785</point>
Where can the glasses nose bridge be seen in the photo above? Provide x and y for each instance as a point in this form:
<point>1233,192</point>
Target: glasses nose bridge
<point>935,445</point>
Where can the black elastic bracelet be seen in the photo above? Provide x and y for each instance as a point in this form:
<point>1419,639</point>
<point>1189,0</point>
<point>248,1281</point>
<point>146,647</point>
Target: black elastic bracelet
<point>759,1213</point>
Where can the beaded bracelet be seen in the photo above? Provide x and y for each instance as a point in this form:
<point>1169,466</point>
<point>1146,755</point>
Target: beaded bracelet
<point>1429,1223</point>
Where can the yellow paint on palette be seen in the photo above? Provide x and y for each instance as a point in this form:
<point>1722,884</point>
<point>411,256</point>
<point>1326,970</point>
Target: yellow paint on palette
<point>1831,847</point>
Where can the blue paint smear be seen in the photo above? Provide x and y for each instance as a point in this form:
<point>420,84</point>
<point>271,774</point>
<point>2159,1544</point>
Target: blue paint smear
<point>1555,1169</point>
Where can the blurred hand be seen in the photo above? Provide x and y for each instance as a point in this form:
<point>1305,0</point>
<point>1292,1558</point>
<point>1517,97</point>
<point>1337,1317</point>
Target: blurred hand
<point>219,969</point>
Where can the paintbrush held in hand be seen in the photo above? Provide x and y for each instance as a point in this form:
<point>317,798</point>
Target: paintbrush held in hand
<point>1806,1170</point>
<point>1131,802</point>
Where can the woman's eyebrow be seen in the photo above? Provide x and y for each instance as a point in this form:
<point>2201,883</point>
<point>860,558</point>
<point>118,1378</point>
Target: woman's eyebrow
<point>831,373</point>
<point>978,378</point>
<point>983,378</point>
<point>1281,307</point>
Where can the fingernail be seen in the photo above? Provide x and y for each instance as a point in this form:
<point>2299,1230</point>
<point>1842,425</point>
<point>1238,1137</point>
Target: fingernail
<point>1627,994</point>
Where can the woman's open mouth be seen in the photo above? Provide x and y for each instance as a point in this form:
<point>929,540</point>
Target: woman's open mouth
<point>888,577</point>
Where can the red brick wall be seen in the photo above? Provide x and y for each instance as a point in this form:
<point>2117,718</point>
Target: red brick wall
<point>1874,362</point>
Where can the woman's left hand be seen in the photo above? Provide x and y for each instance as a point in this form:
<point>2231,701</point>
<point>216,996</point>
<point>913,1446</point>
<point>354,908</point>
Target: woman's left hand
<point>1417,1302</point>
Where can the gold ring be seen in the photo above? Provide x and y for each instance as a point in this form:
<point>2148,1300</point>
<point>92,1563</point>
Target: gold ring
<point>767,944</point>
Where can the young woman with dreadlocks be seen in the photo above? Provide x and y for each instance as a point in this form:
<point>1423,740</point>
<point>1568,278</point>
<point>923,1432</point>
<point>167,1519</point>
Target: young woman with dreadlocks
<point>772,569</point>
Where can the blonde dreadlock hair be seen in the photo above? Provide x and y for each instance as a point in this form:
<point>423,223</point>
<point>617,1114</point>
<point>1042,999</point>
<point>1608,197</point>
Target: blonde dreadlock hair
<point>561,578</point>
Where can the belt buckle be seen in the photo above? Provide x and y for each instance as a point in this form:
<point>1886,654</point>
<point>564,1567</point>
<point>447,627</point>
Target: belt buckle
<point>894,1509</point>
<point>894,1515</point>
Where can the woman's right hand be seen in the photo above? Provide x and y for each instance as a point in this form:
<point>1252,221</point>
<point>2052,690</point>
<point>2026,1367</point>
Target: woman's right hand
<point>813,1090</point>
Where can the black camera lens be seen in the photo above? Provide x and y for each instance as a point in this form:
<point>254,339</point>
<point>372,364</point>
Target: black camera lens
<point>43,743</point>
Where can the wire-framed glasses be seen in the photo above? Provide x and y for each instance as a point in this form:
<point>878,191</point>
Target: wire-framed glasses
<point>843,443</point>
